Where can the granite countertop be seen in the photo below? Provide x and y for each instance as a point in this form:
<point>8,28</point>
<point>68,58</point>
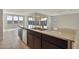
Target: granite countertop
<point>63,34</point>
<point>59,34</point>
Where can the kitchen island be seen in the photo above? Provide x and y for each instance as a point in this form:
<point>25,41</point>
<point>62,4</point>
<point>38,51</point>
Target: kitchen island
<point>38,39</point>
<point>46,39</point>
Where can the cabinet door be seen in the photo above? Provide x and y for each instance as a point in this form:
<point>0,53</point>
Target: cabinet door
<point>33,39</point>
<point>47,45</point>
<point>30,40</point>
<point>37,43</point>
<point>37,40</point>
<point>54,42</point>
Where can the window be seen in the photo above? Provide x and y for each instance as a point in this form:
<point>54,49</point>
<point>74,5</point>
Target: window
<point>9,19</point>
<point>34,22</point>
<point>14,20</point>
<point>20,19</point>
<point>44,22</point>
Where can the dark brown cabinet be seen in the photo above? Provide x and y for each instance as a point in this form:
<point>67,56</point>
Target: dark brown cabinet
<point>36,40</point>
<point>37,43</point>
<point>47,45</point>
<point>30,39</point>
<point>33,39</point>
<point>49,42</point>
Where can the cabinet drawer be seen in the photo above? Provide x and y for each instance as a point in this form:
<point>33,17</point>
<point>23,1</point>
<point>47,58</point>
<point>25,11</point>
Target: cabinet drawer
<point>56,41</point>
<point>47,45</point>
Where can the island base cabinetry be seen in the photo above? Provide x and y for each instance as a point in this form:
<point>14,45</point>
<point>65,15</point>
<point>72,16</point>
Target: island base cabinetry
<point>46,45</point>
<point>33,40</point>
<point>49,42</point>
<point>36,40</point>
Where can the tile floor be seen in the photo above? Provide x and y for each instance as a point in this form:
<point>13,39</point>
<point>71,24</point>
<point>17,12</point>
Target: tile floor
<point>12,41</point>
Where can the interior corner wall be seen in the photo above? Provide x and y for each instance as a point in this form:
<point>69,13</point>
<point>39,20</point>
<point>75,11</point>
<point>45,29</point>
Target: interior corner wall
<point>4,22</point>
<point>1,24</point>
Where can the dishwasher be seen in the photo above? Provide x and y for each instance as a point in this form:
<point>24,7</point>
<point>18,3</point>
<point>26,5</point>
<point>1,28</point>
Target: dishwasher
<point>22,33</point>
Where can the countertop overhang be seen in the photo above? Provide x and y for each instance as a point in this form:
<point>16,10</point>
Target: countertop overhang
<point>57,34</point>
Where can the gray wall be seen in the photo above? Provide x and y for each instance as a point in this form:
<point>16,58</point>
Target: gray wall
<point>1,24</point>
<point>70,21</point>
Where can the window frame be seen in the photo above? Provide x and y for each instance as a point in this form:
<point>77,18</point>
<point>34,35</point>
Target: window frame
<point>34,22</point>
<point>18,21</point>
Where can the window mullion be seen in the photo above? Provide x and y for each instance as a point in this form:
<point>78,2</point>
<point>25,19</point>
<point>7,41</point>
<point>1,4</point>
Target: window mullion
<point>12,19</point>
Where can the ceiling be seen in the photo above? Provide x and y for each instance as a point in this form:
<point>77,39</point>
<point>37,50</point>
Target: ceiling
<point>43,11</point>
